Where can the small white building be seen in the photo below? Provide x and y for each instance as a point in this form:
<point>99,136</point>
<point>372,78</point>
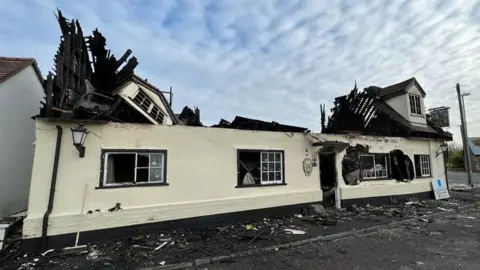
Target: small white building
<point>21,91</point>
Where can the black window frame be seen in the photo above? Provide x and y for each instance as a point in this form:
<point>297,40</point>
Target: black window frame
<point>388,166</point>
<point>104,153</point>
<point>260,151</point>
<point>417,175</point>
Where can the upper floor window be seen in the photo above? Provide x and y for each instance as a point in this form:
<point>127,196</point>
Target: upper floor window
<point>142,100</point>
<point>415,105</point>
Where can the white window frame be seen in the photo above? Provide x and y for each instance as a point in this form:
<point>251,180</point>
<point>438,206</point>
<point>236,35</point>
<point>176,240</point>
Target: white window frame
<point>162,166</point>
<point>367,174</point>
<point>143,100</point>
<point>415,102</point>
<point>159,116</point>
<point>425,168</point>
<point>273,162</point>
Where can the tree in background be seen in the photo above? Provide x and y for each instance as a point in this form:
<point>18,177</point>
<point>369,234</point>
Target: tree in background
<point>455,157</point>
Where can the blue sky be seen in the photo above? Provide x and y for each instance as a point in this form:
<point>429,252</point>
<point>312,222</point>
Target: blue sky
<point>271,59</point>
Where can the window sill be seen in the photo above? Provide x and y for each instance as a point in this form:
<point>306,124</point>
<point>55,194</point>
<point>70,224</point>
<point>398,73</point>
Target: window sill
<point>377,179</point>
<point>420,177</point>
<point>417,115</point>
<point>135,185</point>
<point>269,185</point>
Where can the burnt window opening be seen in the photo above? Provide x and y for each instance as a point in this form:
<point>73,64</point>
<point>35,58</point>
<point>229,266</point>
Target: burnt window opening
<point>134,168</point>
<point>422,166</point>
<point>415,105</point>
<point>351,164</point>
<point>374,166</point>
<point>147,105</point>
<point>401,166</point>
<point>258,168</point>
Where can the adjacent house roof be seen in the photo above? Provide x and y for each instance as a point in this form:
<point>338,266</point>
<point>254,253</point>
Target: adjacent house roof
<point>474,144</point>
<point>399,88</point>
<point>10,66</point>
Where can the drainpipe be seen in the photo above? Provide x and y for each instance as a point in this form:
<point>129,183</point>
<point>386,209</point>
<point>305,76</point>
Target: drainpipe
<point>52,188</point>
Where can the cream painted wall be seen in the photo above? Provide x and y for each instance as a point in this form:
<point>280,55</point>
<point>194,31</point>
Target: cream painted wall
<point>201,172</point>
<point>129,91</point>
<point>410,147</point>
<point>20,98</point>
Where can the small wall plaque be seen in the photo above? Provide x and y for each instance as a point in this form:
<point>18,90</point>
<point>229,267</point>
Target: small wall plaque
<point>307,166</point>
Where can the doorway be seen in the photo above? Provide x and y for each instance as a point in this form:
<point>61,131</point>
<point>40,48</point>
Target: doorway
<point>328,177</point>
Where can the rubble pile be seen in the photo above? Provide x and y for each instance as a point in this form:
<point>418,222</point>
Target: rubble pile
<point>169,247</point>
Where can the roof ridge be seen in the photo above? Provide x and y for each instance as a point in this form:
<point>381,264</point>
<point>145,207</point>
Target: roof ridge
<point>17,58</point>
<point>404,81</point>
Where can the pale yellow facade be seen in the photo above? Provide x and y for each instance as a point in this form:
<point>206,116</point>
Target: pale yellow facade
<point>201,172</point>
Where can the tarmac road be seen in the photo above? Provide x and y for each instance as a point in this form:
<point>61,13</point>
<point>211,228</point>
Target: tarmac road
<point>459,178</point>
<point>449,242</point>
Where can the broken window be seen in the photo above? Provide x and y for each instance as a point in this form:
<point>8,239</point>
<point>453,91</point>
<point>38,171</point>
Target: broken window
<point>130,168</point>
<point>401,166</point>
<point>422,166</point>
<point>142,100</point>
<point>351,164</point>
<point>260,167</point>
<point>374,166</point>
<point>415,105</point>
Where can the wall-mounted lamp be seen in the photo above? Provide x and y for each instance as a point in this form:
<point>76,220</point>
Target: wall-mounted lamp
<point>443,147</point>
<point>79,134</point>
<point>314,160</point>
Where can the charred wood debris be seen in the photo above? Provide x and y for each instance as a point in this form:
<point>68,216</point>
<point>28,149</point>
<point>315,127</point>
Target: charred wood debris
<point>82,86</point>
<point>86,76</point>
<point>188,244</point>
<point>366,113</point>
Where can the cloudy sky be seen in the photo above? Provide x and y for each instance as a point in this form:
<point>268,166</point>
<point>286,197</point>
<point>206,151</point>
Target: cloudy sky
<point>271,59</point>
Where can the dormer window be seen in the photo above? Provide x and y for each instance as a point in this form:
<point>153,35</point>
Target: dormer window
<point>415,105</point>
<point>142,100</point>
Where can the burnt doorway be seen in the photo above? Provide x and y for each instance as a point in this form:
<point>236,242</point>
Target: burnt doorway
<point>328,177</point>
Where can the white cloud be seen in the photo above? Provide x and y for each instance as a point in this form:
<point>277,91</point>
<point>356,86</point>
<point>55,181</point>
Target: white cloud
<point>272,59</point>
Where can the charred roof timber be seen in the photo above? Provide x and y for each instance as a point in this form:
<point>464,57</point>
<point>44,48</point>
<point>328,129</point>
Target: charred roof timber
<point>190,117</point>
<point>253,124</point>
<point>81,86</point>
<point>366,112</point>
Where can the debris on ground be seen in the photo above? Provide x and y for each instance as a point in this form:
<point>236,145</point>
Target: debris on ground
<point>293,231</point>
<point>182,245</point>
<point>115,208</point>
<point>46,252</point>
<point>162,245</point>
<point>467,217</point>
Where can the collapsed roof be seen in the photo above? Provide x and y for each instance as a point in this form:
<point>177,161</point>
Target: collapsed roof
<point>87,79</point>
<point>366,112</point>
<point>253,124</point>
